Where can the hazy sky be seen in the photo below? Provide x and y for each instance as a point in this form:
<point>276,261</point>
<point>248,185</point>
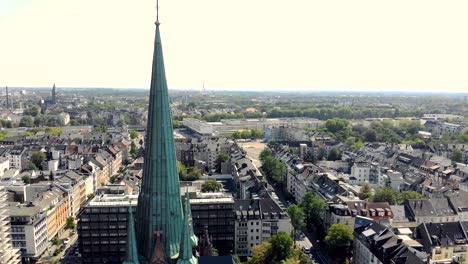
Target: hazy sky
<point>243,44</point>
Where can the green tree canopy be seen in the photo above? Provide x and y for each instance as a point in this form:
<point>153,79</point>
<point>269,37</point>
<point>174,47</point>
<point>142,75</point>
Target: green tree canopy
<point>37,157</point>
<point>134,134</point>
<point>314,210</point>
<point>260,254</point>
<point>222,157</point>
<point>26,121</point>
<point>281,246</point>
<point>405,195</point>
<point>339,240</point>
<point>296,214</point>
<point>365,192</point>
<point>334,154</point>
<point>457,155</point>
<point>26,179</point>
<point>266,152</point>
<point>211,185</point>
<point>70,224</point>
<point>386,194</point>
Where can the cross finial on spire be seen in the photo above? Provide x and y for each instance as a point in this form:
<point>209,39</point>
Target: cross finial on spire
<point>157,13</point>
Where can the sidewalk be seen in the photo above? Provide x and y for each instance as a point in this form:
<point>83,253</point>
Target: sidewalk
<point>48,255</point>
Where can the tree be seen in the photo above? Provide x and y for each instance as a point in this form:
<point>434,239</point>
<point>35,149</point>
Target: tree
<point>26,121</point>
<point>260,254</point>
<point>314,210</point>
<point>281,246</point>
<point>370,135</point>
<point>194,172</point>
<point>457,155</point>
<point>211,185</point>
<point>365,192</point>
<point>134,134</point>
<point>406,195</point>
<point>26,179</point>
<point>291,261</point>
<point>222,157</point>
<point>236,259</point>
<point>133,149</point>
<point>266,152</point>
<point>387,194</point>
<point>296,214</point>
<point>339,240</point>
<point>54,131</point>
<point>51,176</point>
<point>56,241</point>
<point>182,170</point>
<point>31,166</point>
<point>334,154</point>
<point>257,133</point>
<point>70,224</point>
<point>37,157</point>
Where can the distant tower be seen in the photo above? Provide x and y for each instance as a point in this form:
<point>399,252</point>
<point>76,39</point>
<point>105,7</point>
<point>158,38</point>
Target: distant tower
<point>54,99</point>
<point>203,91</point>
<point>7,98</point>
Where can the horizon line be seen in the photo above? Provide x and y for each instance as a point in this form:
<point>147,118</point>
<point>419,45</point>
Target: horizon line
<point>282,90</point>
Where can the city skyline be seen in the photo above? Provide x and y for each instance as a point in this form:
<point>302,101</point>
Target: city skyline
<point>307,45</point>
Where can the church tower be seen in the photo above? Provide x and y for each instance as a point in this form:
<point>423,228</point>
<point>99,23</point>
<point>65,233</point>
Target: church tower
<point>159,203</point>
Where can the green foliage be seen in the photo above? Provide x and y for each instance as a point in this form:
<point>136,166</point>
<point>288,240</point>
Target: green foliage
<point>222,157</point>
<point>54,131</point>
<point>260,254</point>
<point>37,157</point>
<point>365,192</point>
<point>133,149</point>
<point>33,111</point>
<point>281,246</point>
<point>274,169</point>
<point>339,240</point>
<point>134,134</point>
<point>248,134</point>
<point>26,121</point>
<point>6,123</point>
<point>31,166</point>
<point>457,155</point>
<point>188,174</point>
<point>56,241</point>
<point>70,224</point>
<point>26,179</point>
<point>335,154</point>
<point>211,185</point>
<point>193,174</point>
<point>314,210</point>
<point>297,217</point>
<point>266,152</point>
<point>4,134</point>
<point>113,179</point>
<point>405,195</point>
<point>386,194</point>
<point>236,259</point>
<point>100,128</point>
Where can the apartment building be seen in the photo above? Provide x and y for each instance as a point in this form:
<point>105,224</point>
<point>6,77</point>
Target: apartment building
<point>256,221</point>
<point>8,254</point>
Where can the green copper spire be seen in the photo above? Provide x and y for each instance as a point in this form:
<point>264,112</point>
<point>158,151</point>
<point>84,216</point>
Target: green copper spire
<point>186,256</point>
<point>159,203</point>
<point>193,237</point>
<point>132,252</point>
